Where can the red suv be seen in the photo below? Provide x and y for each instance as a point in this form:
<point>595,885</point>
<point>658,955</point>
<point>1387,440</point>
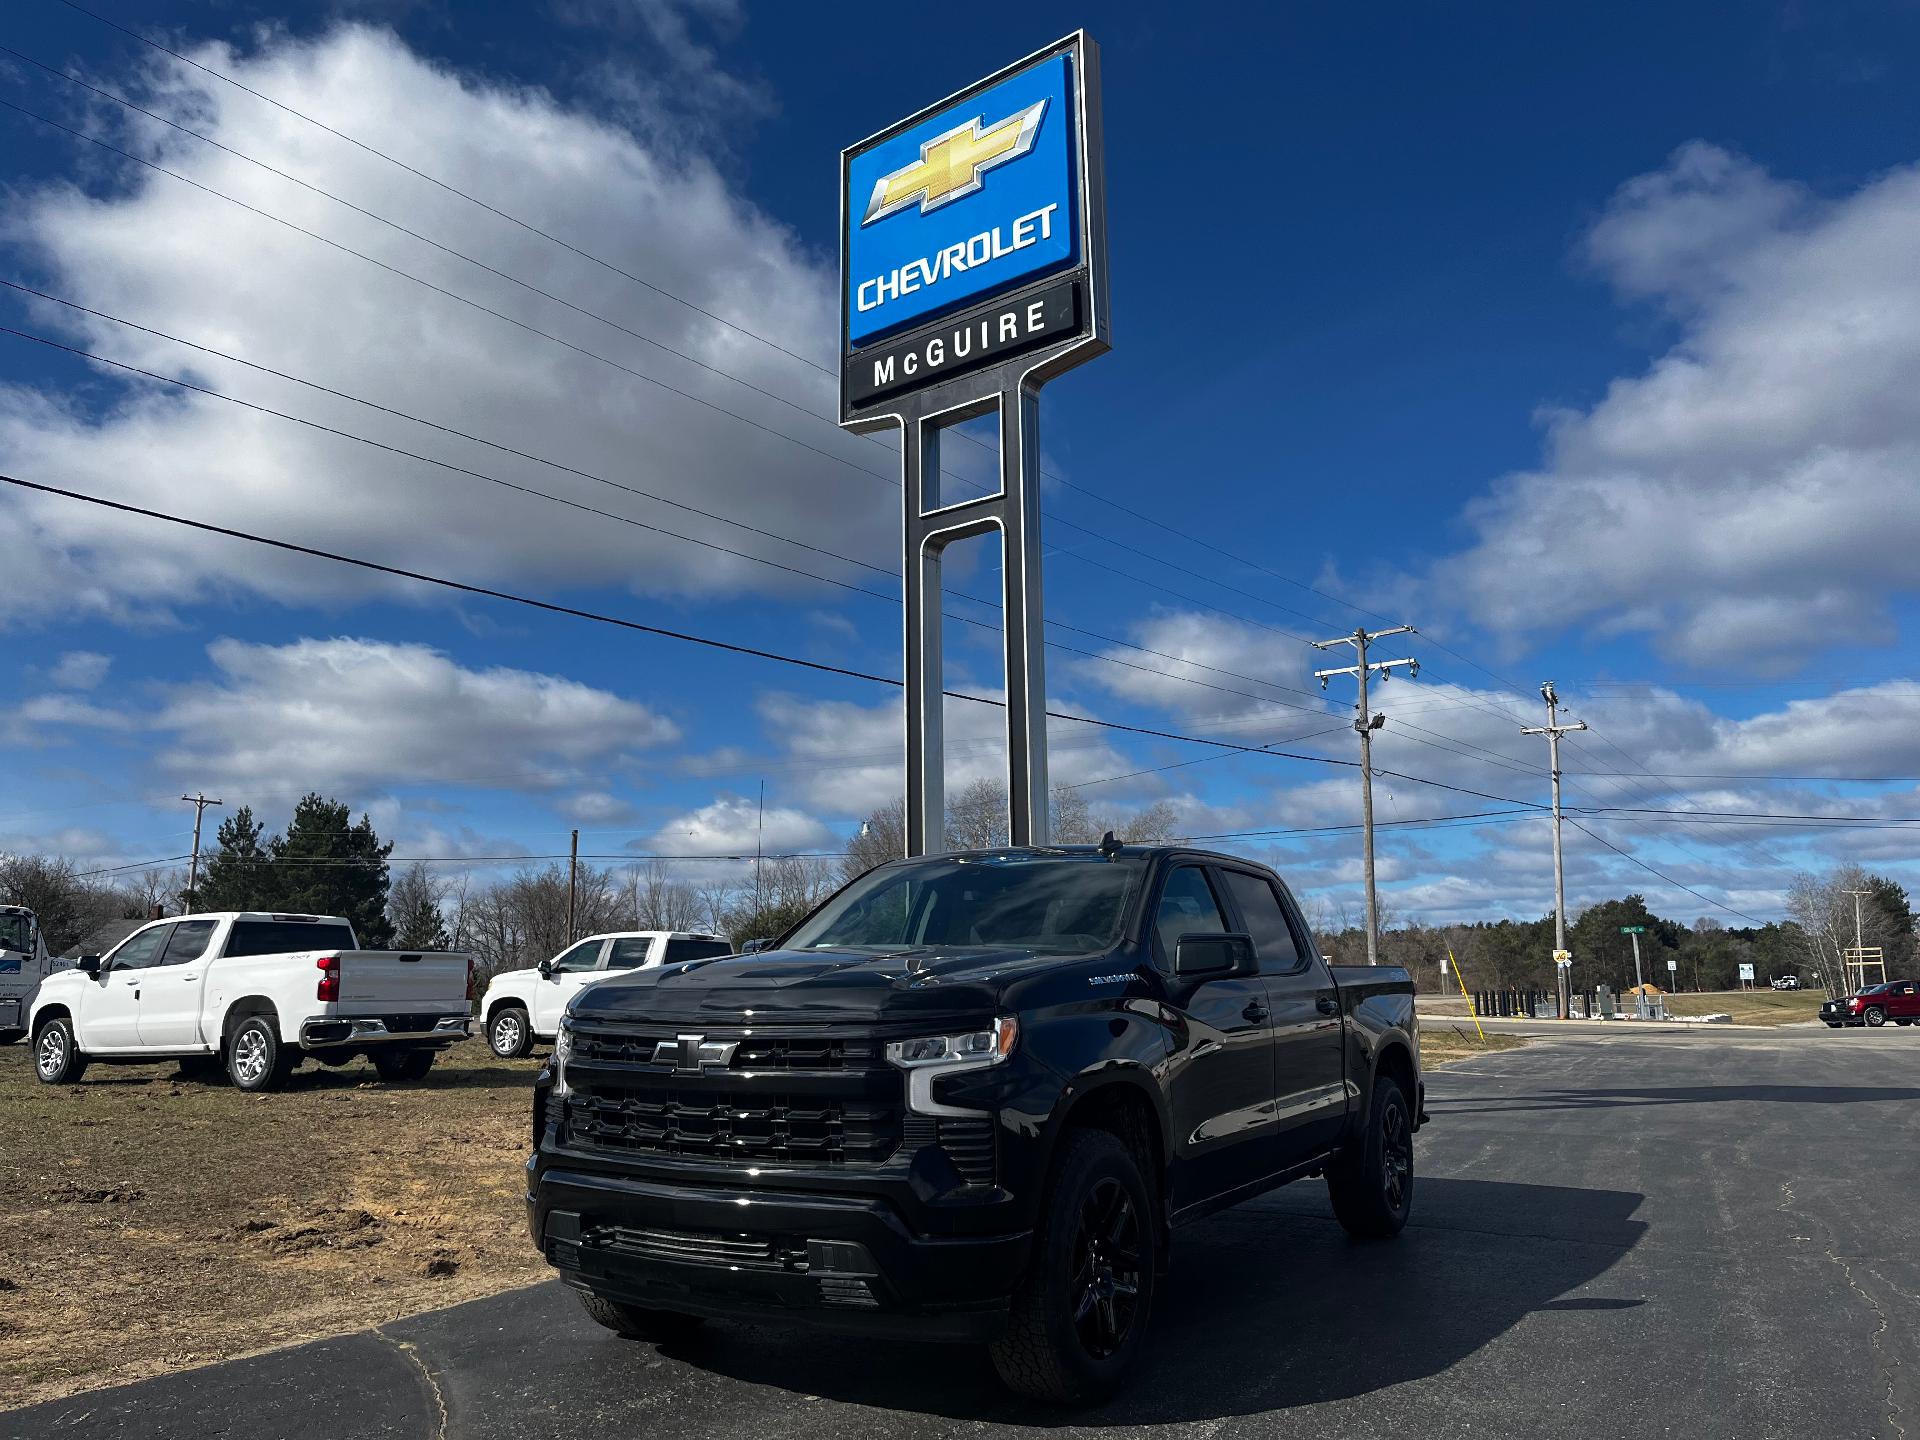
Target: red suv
<point>1897,1000</point>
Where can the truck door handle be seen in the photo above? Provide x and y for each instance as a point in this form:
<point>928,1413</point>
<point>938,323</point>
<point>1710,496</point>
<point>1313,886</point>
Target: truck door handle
<point>1255,1012</point>
<point>1327,1005</point>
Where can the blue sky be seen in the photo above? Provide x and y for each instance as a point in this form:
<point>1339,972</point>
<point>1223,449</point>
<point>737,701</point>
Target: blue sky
<point>1582,341</point>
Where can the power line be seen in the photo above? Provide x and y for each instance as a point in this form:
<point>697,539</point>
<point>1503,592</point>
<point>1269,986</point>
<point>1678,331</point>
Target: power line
<point>537,493</point>
<point>1718,905</point>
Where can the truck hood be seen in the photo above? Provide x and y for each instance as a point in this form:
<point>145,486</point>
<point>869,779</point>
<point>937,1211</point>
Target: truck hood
<point>778,987</point>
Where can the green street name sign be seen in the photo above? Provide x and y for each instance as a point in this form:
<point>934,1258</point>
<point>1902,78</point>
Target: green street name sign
<point>1633,929</point>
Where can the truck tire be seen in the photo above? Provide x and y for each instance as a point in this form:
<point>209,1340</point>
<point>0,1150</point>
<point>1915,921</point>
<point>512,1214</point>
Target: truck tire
<point>636,1322</point>
<point>257,1060</point>
<point>510,1032</point>
<point>397,1066</point>
<point>1371,1185</point>
<point>56,1059</point>
<point>1080,1315</point>
<point>1875,1016</point>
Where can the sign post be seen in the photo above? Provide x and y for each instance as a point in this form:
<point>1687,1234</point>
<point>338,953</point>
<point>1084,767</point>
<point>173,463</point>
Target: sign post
<point>1636,931</point>
<point>972,271</point>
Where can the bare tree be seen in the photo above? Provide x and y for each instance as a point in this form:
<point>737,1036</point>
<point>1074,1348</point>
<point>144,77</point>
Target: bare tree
<point>662,901</point>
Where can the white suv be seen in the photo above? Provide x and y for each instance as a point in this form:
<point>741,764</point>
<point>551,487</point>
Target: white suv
<point>522,1006</point>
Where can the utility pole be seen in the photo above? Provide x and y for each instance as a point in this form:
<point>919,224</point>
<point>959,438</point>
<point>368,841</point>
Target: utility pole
<point>1562,957</point>
<point>573,874</point>
<point>1858,942</point>
<point>199,803</point>
<point>1366,724</point>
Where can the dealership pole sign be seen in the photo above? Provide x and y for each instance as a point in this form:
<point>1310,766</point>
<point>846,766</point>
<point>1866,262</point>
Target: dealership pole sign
<point>972,271</point>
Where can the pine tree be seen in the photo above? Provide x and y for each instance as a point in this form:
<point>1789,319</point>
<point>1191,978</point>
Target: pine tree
<point>236,876</point>
<point>414,906</point>
<point>326,865</point>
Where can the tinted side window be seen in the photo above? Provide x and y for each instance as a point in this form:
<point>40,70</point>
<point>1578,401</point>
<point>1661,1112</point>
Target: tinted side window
<point>139,951</point>
<point>626,954</point>
<point>281,937</point>
<point>1187,907</point>
<point>189,941</point>
<point>584,956</point>
<point>1265,921</point>
<point>678,950</point>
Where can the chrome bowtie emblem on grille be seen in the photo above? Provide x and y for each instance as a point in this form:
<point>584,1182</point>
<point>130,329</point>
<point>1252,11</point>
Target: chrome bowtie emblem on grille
<point>694,1053</point>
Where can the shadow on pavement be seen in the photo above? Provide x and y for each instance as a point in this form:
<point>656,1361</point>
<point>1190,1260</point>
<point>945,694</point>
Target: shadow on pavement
<point>1260,1313</point>
<point>1680,1095</point>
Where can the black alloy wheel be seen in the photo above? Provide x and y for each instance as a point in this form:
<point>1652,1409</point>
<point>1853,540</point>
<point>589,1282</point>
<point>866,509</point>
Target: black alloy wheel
<point>1106,1276</point>
<point>1875,1016</point>
<point>1396,1154</point>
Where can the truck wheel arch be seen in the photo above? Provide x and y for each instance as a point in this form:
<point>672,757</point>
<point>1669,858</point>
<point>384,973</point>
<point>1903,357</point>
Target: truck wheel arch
<point>1123,1103</point>
<point>1395,1059</point>
<point>245,1008</point>
<point>53,1010</point>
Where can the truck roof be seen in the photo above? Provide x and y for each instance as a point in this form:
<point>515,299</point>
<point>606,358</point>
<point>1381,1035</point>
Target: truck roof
<point>650,935</point>
<point>275,915</point>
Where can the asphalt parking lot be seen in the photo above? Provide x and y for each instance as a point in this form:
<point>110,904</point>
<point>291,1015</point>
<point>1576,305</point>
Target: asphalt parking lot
<point>1643,1236</point>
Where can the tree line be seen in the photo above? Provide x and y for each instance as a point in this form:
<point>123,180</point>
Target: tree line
<point>324,862</point>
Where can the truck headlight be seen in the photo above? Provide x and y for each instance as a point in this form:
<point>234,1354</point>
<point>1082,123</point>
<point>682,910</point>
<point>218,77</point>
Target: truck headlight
<point>933,1055</point>
<point>562,1053</point>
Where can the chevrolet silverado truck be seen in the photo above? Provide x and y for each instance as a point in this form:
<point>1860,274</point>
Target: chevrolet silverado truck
<point>1896,1002</point>
<point>522,1006</point>
<point>24,963</point>
<point>972,1097</point>
<point>254,993</point>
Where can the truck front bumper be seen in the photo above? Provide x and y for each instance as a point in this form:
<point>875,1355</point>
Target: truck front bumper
<point>351,1032</point>
<point>843,1262</point>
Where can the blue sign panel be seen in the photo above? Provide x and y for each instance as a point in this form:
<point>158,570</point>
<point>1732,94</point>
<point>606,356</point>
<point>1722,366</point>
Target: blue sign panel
<point>968,203</point>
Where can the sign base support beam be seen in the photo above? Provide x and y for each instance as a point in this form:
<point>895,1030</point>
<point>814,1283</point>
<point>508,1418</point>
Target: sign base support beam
<point>930,526</point>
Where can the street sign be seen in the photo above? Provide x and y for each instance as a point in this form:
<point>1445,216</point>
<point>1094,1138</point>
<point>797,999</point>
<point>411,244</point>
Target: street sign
<point>1563,957</point>
<point>973,233</point>
<point>1673,967</point>
<point>1746,970</point>
<point>1633,929</point>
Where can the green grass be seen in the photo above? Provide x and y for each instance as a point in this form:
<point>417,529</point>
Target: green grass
<point>1751,1007</point>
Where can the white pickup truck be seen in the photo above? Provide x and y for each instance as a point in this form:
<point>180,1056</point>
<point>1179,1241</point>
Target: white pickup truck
<point>524,1005</point>
<point>255,992</point>
<point>23,965</point>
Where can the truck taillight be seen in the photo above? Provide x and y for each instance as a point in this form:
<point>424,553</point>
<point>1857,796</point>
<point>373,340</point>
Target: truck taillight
<point>329,987</point>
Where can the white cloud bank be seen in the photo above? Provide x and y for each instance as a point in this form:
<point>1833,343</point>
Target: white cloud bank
<point>161,253</point>
<point>1753,491</point>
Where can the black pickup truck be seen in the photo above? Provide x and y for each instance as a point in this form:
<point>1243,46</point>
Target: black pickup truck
<point>971,1097</point>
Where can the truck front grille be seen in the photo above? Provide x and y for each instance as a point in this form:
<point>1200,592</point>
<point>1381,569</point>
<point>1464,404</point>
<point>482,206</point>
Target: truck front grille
<point>690,1121</point>
<point>809,1099</point>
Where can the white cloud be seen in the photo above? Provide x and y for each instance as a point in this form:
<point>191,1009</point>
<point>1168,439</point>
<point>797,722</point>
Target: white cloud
<point>79,670</point>
<point>597,807</point>
<point>736,825</point>
<point>346,715</point>
<point>159,252</point>
<point>1750,493</point>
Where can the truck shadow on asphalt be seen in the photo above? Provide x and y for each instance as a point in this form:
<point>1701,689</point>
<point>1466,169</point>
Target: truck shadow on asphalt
<point>1585,1099</point>
<point>1269,1307</point>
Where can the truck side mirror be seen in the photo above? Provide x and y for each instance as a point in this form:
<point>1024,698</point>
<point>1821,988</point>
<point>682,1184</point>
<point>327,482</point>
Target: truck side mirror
<point>754,947</point>
<point>546,969</point>
<point>1196,955</point>
<point>89,963</point>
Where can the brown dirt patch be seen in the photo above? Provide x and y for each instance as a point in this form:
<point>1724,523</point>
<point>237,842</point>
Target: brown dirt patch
<point>192,1223</point>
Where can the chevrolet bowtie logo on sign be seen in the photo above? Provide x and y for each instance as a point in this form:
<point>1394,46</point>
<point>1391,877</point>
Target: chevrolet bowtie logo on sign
<point>690,1054</point>
<point>950,165</point>
<point>964,203</point>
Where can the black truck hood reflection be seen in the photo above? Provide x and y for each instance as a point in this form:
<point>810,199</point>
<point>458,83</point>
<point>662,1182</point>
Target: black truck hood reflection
<point>798,987</point>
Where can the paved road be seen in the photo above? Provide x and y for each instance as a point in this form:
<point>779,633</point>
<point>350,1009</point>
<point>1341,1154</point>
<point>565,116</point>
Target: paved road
<point>1643,1238</point>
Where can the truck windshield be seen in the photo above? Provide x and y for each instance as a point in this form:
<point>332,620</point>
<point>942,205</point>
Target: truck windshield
<point>16,932</point>
<point>1060,904</point>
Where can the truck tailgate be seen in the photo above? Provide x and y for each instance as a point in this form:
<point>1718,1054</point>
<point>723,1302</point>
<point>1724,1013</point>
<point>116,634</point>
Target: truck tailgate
<point>373,982</point>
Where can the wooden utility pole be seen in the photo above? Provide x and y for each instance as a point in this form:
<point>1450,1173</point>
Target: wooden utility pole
<point>1562,957</point>
<point>1366,724</point>
<point>199,803</point>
